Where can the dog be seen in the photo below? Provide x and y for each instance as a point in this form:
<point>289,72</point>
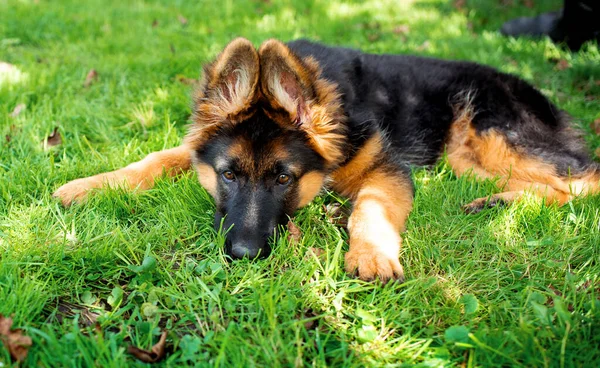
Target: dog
<point>273,126</point>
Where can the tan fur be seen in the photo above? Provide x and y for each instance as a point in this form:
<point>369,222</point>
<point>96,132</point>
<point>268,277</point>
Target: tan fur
<point>138,175</point>
<point>310,185</point>
<point>316,106</point>
<point>488,155</point>
<point>347,179</point>
<point>227,91</point>
<point>208,178</point>
<point>382,202</point>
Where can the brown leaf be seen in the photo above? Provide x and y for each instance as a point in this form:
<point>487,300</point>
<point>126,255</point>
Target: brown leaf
<point>295,234</point>
<point>54,139</point>
<point>185,80</point>
<point>597,152</point>
<point>460,4</point>
<point>17,110</point>
<point>155,23</point>
<point>337,214</point>
<point>402,29</point>
<point>154,355</point>
<point>90,78</point>
<point>562,64</point>
<point>424,46</point>
<point>182,19</point>
<point>69,310</point>
<point>373,37</point>
<point>8,138</point>
<point>17,344</point>
<point>595,125</point>
<point>172,48</point>
<point>529,3</point>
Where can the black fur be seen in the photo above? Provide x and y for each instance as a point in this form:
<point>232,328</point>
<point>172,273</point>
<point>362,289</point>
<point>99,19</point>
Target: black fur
<point>412,99</point>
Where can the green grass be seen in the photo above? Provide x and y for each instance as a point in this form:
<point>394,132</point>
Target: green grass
<point>506,287</point>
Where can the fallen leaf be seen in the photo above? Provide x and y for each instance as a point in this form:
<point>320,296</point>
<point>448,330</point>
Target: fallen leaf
<point>185,80</point>
<point>597,82</point>
<point>337,214</point>
<point>154,355</point>
<point>69,310</point>
<point>529,3</point>
<point>424,46</point>
<point>54,139</point>
<point>91,77</point>
<point>562,64</point>
<point>401,29</point>
<point>182,19</point>
<point>460,4</point>
<point>17,110</point>
<point>154,23</point>
<point>312,322</point>
<point>17,344</point>
<point>172,48</point>
<point>8,138</point>
<point>295,234</point>
<point>595,125</point>
<point>373,37</point>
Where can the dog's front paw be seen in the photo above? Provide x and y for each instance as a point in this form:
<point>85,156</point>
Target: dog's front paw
<point>369,263</point>
<point>76,190</point>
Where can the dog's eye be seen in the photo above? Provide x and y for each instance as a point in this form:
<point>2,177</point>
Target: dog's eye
<point>228,175</point>
<point>283,179</point>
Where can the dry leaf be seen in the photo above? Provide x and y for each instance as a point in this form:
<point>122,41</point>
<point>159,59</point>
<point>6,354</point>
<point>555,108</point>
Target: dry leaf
<point>595,125</point>
<point>69,310</point>
<point>54,139</point>
<point>401,29</point>
<point>91,77</point>
<point>424,46</point>
<point>460,4</point>
<point>182,19</point>
<point>529,3</point>
<point>337,214</point>
<point>373,37</point>
<point>154,355</point>
<point>8,138</point>
<point>154,23</point>
<point>185,80</point>
<point>17,110</point>
<point>562,64</point>
<point>17,344</point>
<point>295,234</point>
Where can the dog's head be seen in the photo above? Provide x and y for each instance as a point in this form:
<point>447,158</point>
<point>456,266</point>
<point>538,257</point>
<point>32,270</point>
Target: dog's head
<point>266,132</point>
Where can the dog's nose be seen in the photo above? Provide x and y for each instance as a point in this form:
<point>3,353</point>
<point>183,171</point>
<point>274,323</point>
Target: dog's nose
<point>241,250</point>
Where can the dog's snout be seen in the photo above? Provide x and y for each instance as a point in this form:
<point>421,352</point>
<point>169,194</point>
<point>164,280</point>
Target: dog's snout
<point>244,250</point>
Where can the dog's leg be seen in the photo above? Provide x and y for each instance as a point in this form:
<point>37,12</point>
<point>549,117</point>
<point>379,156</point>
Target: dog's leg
<point>382,203</point>
<point>138,175</point>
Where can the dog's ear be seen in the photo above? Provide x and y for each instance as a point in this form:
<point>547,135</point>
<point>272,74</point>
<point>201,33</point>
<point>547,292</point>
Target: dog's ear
<point>299,97</point>
<point>229,85</point>
<point>287,81</point>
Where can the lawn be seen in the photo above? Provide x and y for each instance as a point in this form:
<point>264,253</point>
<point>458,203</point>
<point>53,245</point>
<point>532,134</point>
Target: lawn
<point>517,286</point>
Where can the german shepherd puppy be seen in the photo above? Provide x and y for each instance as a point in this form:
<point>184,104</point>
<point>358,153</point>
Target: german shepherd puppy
<point>272,127</point>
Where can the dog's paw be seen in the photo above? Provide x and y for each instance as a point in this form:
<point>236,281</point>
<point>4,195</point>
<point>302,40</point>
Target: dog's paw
<point>480,204</point>
<point>370,263</point>
<point>76,190</point>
